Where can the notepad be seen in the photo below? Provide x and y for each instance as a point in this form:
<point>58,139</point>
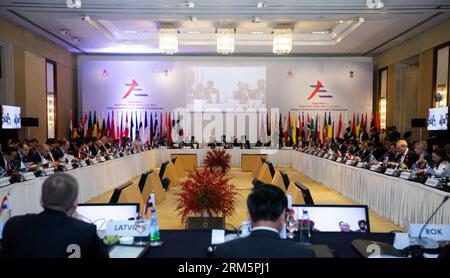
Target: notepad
<point>217,236</point>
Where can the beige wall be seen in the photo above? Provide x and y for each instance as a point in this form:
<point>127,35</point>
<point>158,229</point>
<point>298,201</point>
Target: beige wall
<point>422,45</point>
<point>29,54</point>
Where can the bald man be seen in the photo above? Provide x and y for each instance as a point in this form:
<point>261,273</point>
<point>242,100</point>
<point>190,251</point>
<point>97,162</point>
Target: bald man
<point>404,155</point>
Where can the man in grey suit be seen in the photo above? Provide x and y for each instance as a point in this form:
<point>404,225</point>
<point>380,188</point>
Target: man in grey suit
<point>267,207</point>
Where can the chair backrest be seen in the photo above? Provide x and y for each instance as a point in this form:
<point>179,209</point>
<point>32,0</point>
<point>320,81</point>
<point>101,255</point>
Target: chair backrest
<point>264,174</point>
<point>296,193</point>
<point>148,187</point>
<point>257,168</point>
<point>306,194</point>
<point>170,173</point>
<point>132,194</point>
<point>179,167</point>
<point>205,223</point>
<point>143,179</point>
<point>157,187</point>
<point>278,181</point>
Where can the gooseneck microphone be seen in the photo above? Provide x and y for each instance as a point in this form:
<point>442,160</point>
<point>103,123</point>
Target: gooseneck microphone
<point>431,217</point>
<point>419,244</point>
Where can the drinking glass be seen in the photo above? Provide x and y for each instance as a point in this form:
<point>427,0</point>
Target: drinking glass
<point>141,226</point>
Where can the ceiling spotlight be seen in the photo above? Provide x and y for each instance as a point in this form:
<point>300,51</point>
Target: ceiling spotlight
<point>193,32</point>
<point>260,5</point>
<point>256,19</point>
<point>257,33</point>
<point>361,20</point>
<point>85,17</point>
<point>76,40</point>
<point>375,4</point>
<point>73,4</point>
<point>319,32</point>
<point>340,21</point>
<point>193,18</point>
<point>189,4</point>
<point>65,32</point>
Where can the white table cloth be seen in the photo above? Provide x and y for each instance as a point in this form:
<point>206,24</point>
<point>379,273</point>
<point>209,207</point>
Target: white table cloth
<point>93,181</point>
<point>400,201</point>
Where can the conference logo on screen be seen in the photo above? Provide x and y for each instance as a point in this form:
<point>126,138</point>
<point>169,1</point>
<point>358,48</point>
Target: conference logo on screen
<point>319,91</point>
<point>134,89</point>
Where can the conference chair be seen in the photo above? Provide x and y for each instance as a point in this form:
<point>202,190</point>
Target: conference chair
<point>278,181</point>
<point>264,174</point>
<point>179,168</point>
<point>156,187</point>
<point>132,194</point>
<point>257,168</point>
<point>170,174</point>
<point>296,193</point>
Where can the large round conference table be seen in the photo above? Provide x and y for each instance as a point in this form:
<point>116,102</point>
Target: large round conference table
<point>400,201</point>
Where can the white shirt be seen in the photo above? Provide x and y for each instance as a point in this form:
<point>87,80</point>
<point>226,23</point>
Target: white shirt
<point>442,170</point>
<point>265,228</point>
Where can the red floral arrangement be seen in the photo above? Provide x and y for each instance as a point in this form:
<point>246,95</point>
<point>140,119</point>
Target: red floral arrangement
<point>217,159</point>
<point>206,192</point>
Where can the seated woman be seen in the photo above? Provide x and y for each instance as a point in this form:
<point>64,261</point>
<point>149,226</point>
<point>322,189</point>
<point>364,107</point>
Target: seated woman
<point>441,164</point>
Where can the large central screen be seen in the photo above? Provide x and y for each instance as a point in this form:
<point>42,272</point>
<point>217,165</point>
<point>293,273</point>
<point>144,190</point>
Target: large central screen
<point>225,88</point>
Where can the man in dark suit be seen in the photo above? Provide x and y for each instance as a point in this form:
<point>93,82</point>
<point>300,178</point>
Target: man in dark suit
<point>8,161</point>
<point>267,207</point>
<point>404,155</point>
<point>53,233</point>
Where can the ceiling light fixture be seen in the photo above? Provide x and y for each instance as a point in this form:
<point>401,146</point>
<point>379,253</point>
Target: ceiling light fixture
<point>225,40</point>
<point>168,39</point>
<point>257,33</point>
<point>260,5</point>
<point>375,4</point>
<point>319,32</point>
<point>194,32</point>
<point>193,18</point>
<point>189,4</point>
<point>130,31</point>
<point>282,39</point>
<point>73,4</point>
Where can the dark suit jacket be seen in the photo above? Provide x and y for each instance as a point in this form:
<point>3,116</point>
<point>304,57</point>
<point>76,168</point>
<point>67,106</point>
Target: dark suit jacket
<point>48,234</point>
<point>262,244</point>
<point>57,154</point>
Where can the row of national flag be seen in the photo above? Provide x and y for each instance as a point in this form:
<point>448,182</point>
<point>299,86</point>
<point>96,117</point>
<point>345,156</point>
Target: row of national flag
<point>123,123</point>
<point>322,126</point>
<point>271,126</point>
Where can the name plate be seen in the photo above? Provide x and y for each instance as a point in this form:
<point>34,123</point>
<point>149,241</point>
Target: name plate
<point>390,172</point>
<point>406,175</point>
<point>68,167</point>
<point>432,182</point>
<point>438,232</point>
<point>83,163</point>
<point>331,157</point>
<point>102,159</point>
<point>4,181</point>
<point>94,161</point>
<point>349,162</point>
<point>27,176</point>
<point>360,164</point>
<point>339,159</point>
<point>127,228</point>
<point>326,156</point>
<point>49,171</point>
<point>375,168</point>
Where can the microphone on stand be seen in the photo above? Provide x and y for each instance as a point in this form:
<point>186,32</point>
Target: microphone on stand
<point>428,243</point>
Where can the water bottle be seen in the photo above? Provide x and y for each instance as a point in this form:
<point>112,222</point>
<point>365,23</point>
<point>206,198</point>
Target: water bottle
<point>154,229</point>
<point>305,228</point>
